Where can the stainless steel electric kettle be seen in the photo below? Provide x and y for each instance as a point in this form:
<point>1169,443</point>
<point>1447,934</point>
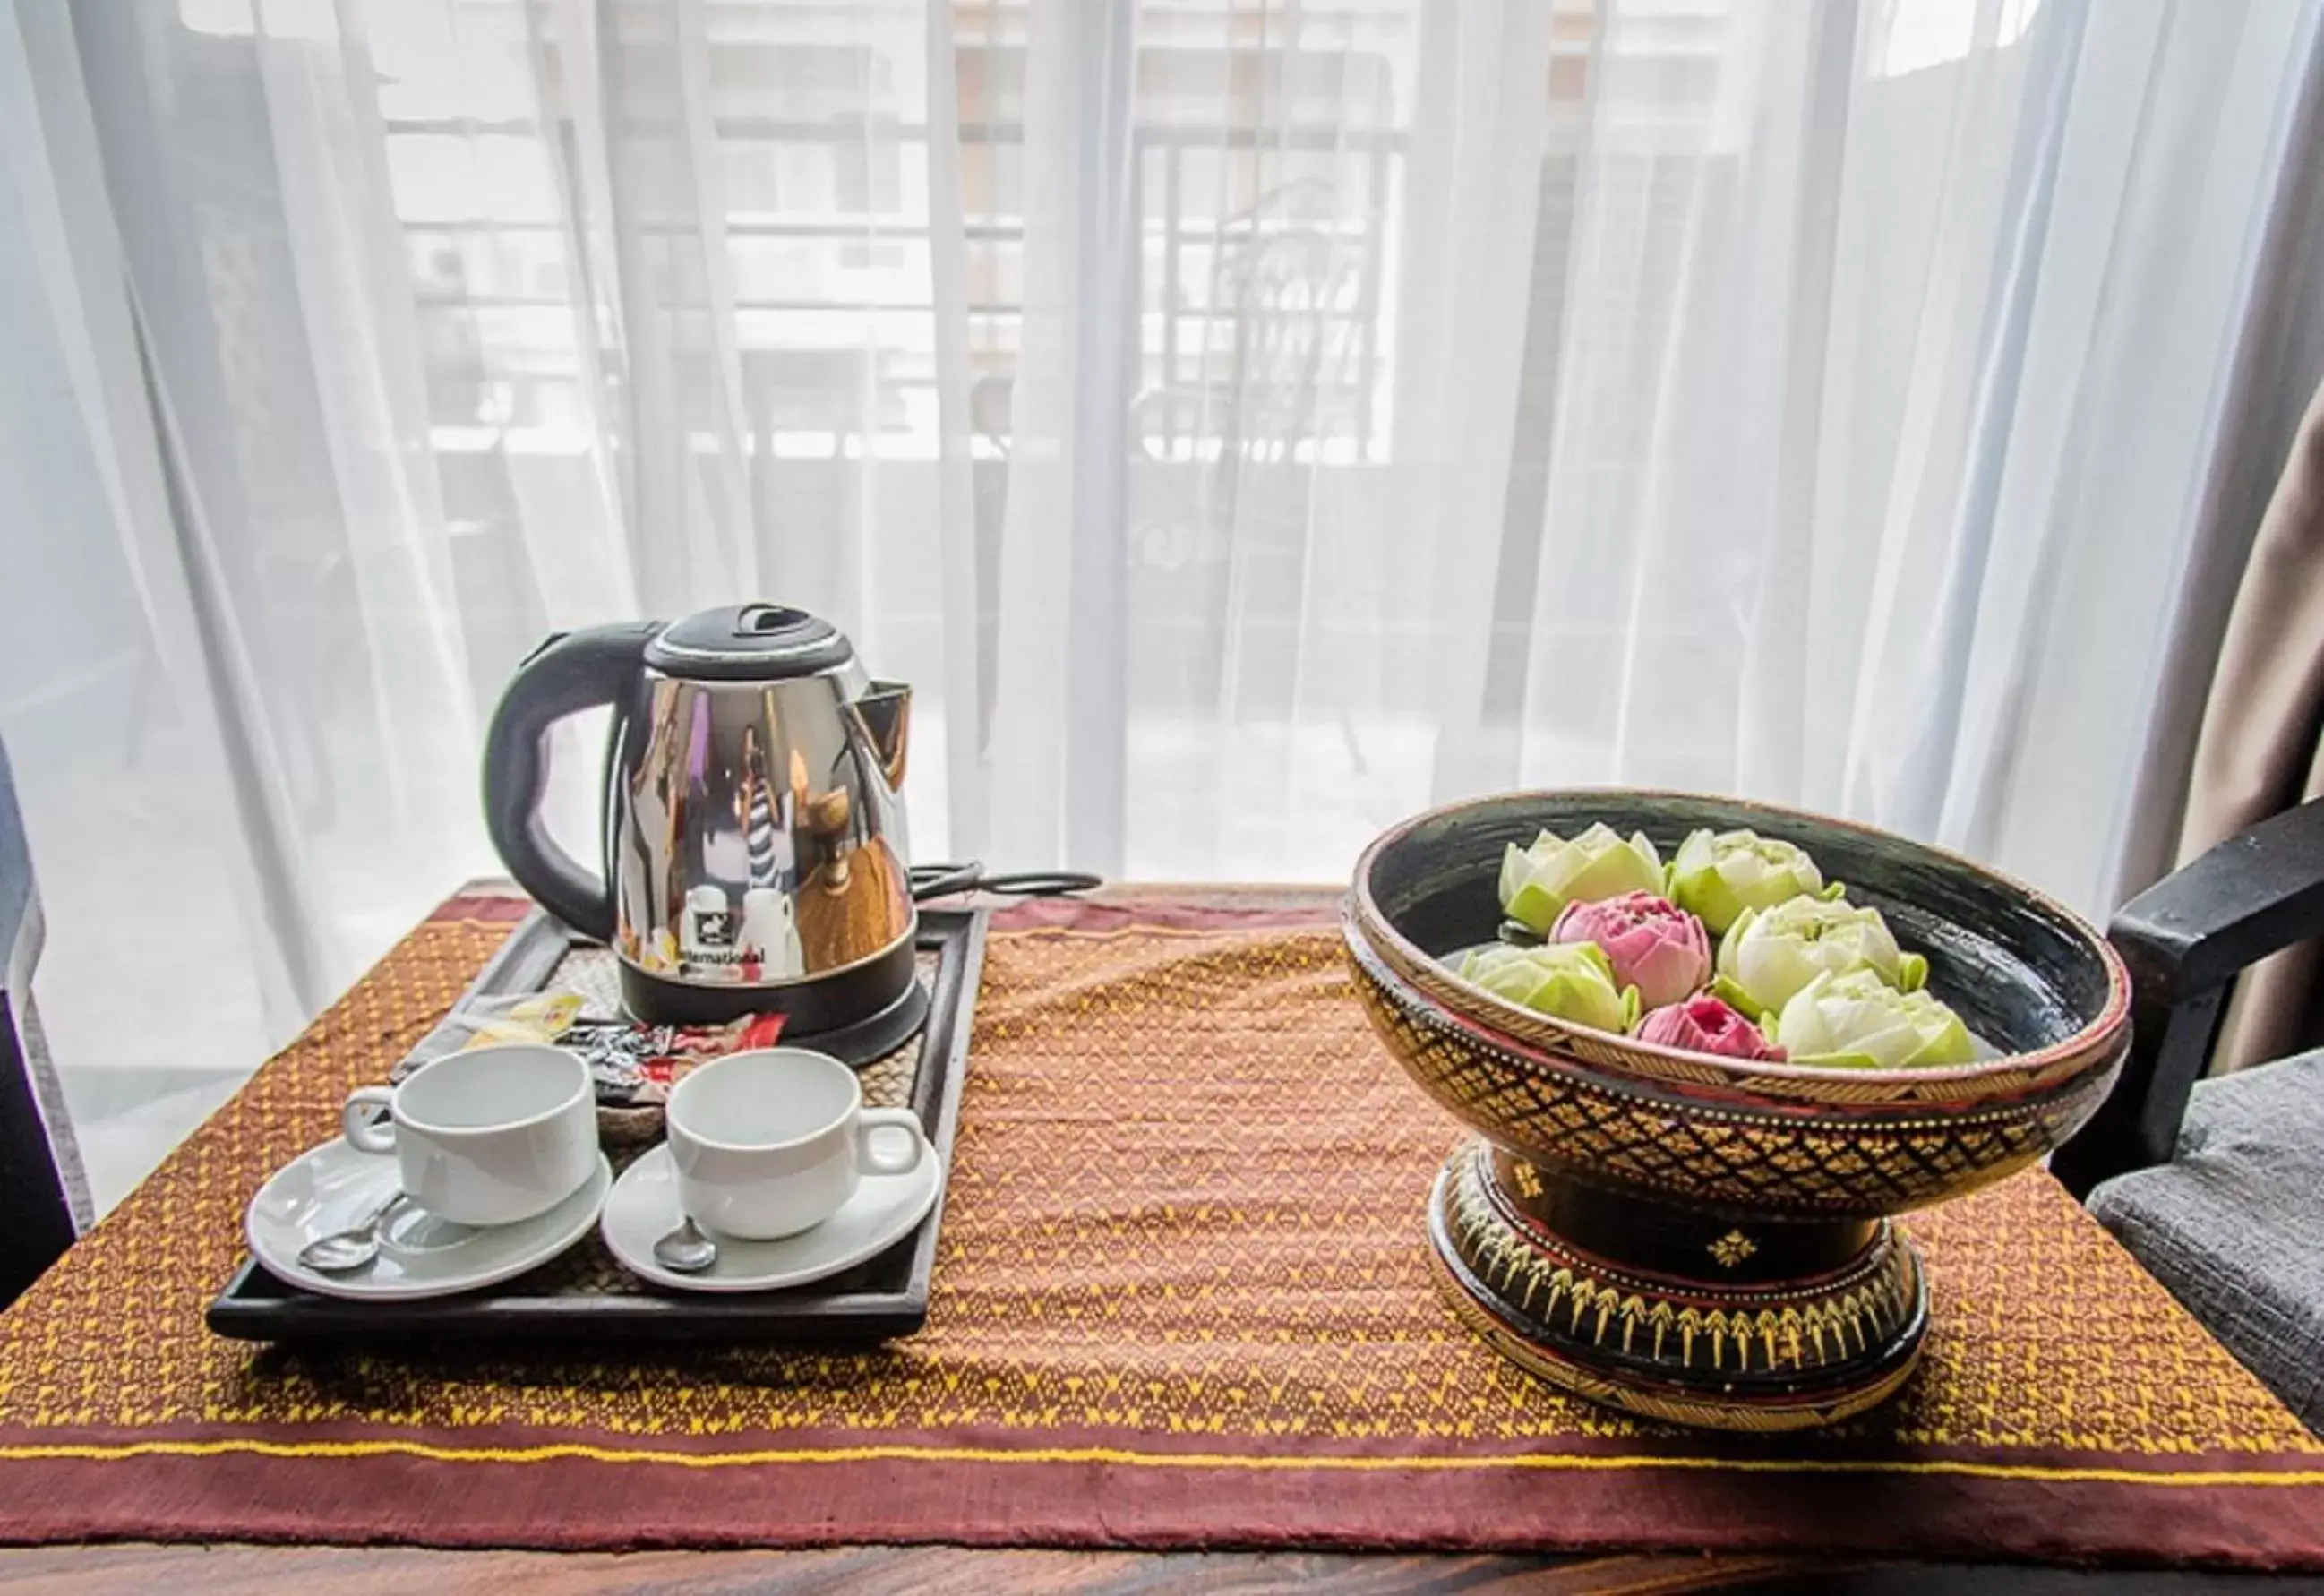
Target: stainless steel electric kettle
<point>755,857</point>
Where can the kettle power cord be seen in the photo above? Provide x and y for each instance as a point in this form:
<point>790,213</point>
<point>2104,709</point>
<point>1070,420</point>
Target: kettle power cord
<point>945,881</point>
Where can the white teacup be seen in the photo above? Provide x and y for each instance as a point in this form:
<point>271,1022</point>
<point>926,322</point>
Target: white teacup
<point>772,1142</point>
<point>491,1136</point>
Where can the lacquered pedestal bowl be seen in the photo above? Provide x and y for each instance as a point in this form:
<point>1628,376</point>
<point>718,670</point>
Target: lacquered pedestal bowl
<point>1706,1240</point>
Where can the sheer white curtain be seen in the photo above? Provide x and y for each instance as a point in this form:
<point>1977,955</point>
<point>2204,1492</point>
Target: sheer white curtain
<point>1246,423</point>
<point>1888,367</point>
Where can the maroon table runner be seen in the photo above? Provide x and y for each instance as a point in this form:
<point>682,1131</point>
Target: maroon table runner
<point>1182,1300</point>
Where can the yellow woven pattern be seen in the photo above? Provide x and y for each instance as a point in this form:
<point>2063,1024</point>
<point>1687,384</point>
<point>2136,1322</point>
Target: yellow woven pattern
<point>1186,1201</point>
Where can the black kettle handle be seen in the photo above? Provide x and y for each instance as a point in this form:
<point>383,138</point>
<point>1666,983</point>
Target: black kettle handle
<point>571,672</point>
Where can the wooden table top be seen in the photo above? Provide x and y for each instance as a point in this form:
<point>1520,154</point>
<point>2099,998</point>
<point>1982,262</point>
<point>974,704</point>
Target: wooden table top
<point>865,1570</point>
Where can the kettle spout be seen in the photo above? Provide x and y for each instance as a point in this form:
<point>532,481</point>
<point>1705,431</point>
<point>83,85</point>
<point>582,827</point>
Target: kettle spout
<point>883,716</point>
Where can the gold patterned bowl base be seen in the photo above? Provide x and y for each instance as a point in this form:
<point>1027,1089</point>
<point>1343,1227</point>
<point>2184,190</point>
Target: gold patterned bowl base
<point>1671,1313</point>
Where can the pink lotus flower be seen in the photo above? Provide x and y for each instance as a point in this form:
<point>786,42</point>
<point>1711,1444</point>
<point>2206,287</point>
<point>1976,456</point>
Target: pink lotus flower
<point>1706,1025</point>
<point>1653,944</point>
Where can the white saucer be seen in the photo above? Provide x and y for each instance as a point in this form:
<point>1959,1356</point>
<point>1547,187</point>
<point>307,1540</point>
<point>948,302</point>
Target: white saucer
<point>328,1189</point>
<point>884,1210</point>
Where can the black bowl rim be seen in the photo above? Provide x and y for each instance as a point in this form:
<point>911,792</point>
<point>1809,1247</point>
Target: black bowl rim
<point>2096,1039</point>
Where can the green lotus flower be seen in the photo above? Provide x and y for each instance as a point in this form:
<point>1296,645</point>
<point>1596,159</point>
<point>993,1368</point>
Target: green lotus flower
<point>1572,980</point>
<point>1539,881</point>
<point>1858,1021</point>
<point>1767,955</point>
<point>1718,877</point>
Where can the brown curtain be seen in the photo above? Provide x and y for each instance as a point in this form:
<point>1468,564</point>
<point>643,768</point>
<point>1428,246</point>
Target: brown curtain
<point>2262,748</point>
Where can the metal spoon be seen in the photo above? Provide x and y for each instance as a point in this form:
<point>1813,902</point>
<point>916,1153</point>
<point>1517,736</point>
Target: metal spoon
<point>350,1248</point>
<point>685,1251</point>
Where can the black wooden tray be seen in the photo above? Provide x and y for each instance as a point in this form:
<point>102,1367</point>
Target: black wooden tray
<point>585,1295</point>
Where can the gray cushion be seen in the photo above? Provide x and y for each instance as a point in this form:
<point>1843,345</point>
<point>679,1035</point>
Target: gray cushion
<point>2234,1224</point>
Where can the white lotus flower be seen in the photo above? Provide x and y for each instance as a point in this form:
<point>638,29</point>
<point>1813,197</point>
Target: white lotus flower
<point>1572,980</point>
<point>1718,877</point>
<point>1769,955</point>
<point>1539,881</point>
<point>1859,1021</point>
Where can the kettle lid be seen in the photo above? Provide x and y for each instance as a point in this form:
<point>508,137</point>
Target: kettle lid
<point>748,643</point>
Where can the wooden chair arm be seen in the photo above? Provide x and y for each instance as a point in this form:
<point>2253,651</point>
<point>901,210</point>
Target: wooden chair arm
<point>2185,939</point>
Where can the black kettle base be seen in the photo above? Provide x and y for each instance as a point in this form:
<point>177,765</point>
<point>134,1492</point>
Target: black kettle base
<point>869,1040</point>
<point>859,1016</point>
